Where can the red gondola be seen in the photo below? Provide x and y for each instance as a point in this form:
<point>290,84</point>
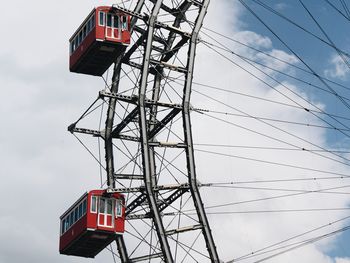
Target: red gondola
<point>99,40</point>
<point>92,223</point>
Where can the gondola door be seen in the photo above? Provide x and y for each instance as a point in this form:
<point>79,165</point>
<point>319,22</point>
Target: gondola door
<point>113,26</point>
<point>106,212</point>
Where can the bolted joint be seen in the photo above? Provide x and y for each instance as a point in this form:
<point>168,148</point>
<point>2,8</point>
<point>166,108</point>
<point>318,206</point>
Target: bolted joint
<point>72,127</point>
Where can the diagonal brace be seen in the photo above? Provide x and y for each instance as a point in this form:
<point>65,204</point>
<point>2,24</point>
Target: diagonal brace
<point>160,125</point>
<point>136,203</point>
<point>172,198</point>
<point>117,130</point>
<point>175,50</point>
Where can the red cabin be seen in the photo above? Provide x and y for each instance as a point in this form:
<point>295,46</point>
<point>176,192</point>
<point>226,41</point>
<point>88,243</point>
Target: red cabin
<point>99,40</point>
<point>92,223</point>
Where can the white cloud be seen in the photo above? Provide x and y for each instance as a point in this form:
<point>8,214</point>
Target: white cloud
<point>342,260</point>
<point>281,6</point>
<point>278,64</point>
<point>252,38</point>
<point>338,68</point>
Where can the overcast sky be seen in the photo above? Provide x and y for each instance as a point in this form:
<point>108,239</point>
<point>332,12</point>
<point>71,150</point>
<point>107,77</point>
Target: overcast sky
<point>44,169</point>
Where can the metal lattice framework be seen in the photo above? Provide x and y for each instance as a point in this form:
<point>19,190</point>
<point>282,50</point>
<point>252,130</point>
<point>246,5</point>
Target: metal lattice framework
<point>148,139</point>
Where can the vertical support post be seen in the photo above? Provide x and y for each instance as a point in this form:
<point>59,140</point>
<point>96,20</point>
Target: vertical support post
<point>109,123</point>
<point>153,119</point>
<point>146,159</point>
<point>189,140</point>
<point>138,8</point>
<point>109,146</point>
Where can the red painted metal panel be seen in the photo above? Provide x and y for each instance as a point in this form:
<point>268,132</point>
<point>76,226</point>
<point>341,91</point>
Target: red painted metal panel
<point>91,217</point>
<point>83,48</point>
<point>100,32</point>
<point>73,233</point>
<point>109,220</point>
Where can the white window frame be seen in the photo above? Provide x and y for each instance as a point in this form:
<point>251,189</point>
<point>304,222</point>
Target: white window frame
<point>118,208</point>
<point>104,18</point>
<point>124,26</point>
<point>112,19</point>
<point>92,22</point>
<point>70,217</point>
<point>96,208</point>
<point>85,206</point>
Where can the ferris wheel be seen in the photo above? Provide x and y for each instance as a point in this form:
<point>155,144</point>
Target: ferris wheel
<point>150,206</point>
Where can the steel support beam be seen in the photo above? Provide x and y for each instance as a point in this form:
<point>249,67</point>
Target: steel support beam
<point>147,169</point>
<point>109,123</point>
<point>189,140</point>
<point>161,124</point>
<point>131,116</point>
<point>134,204</point>
<point>172,198</point>
<point>109,147</point>
<point>147,257</point>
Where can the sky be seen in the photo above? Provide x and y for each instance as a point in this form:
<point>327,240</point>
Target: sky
<point>44,168</point>
<point>318,55</point>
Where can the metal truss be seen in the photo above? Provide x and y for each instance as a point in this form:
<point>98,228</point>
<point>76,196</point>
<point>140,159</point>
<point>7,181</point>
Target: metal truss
<point>148,138</point>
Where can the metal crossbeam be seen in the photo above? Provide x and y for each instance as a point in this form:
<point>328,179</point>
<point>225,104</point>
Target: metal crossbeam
<point>133,64</point>
<point>94,133</point>
<point>128,177</point>
<point>128,138</point>
<point>133,100</point>
<point>143,188</point>
<point>167,144</point>
<point>147,257</point>
<point>183,229</point>
<point>163,64</point>
<point>120,97</point>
